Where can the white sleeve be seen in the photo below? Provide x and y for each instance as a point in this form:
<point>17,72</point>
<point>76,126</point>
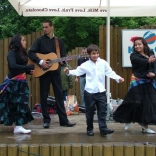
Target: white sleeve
<point>78,71</point>
<point>41,61</point>
<point>110,73</point>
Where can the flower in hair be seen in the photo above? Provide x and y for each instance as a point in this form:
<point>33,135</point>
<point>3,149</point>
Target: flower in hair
<point>133,38</point>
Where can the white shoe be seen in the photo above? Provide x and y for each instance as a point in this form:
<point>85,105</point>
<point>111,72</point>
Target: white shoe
<point>147,130</point>
<point>20,129</point>
<point>127,125</point>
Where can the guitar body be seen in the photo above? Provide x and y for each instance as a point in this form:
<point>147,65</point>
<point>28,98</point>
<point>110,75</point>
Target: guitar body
<point>38,69</point>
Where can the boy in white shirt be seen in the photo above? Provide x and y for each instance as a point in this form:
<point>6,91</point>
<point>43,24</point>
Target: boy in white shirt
<point>95,93</point>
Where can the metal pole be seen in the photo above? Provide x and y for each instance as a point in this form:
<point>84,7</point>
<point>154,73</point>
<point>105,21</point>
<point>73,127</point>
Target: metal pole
<point>108,57</point>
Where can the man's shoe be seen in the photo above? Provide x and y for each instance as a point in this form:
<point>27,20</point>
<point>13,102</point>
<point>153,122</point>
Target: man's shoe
<point>46,125</point>
<point>106,131</point>
<point>68,124</point>
<point>90,133</point>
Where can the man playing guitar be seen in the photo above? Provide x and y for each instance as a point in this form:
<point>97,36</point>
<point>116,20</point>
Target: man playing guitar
<point>48,44</point>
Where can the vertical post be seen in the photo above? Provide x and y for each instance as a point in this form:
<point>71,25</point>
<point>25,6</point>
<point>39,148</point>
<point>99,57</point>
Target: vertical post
<point>108,46</point>
<point>150,150</point>
<point>129,150</point>
<point>34,149</point>
<point>108,106</point>
<point>23,150</point>
<point>12,150</point>
<point>65,150</point>
<point>87,150</point>
<point>108,53</point>
<point>44,150</point>
<point>97,149</point>
<point>118,150</point>
<point>139,150</point>
<point>3,150</point>
<point>76,150</point>
<point>55,150</point>
<point>107,149</point>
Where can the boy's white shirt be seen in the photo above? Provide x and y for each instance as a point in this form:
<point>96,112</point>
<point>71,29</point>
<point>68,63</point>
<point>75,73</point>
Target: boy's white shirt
<point>95,74</point>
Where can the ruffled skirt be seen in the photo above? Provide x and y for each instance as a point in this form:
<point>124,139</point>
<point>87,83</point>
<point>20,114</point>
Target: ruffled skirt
<point>14,103</point>
<point>139,105</point>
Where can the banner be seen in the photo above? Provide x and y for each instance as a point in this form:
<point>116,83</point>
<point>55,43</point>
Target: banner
<point>148,34</point>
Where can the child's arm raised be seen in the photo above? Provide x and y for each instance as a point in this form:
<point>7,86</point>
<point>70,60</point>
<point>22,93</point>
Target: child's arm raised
<point>66,70</point>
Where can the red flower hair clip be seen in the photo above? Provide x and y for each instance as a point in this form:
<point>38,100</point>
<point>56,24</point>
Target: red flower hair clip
<point>133,38</point>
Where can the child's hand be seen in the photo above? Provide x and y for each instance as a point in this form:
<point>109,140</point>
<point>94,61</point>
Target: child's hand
<point>150,74</point>
<point>76,79</point>
<point>121,80</point>
<point>31,72</point>
<point>66,70</point>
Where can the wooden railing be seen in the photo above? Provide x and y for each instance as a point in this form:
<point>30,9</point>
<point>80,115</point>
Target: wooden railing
<point>76,149</point>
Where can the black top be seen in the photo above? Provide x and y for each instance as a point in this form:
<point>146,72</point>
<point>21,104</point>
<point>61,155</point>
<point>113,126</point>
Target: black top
<point>45,45</point>
<point>140,65</point>
<point>80,61</point>
<point>17,63</point>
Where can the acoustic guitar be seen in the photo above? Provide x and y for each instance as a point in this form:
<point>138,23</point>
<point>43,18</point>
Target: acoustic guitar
<point>52,62</point>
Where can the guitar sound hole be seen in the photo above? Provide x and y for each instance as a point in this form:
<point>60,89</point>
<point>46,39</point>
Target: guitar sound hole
<point>49,62</point>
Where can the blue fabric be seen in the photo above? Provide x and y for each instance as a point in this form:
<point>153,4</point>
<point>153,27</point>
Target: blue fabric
<point>138,81</point>
<point>4,85</point>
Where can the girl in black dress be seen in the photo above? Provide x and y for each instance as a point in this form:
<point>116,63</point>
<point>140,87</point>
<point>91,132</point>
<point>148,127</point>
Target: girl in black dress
<point>139,104</point>
<point>14,91</point>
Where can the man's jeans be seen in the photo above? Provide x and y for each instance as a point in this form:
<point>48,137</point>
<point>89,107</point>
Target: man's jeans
<point>82,86</point>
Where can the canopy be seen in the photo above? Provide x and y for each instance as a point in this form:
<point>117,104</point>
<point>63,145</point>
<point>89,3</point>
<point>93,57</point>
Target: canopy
<point>87,8</point>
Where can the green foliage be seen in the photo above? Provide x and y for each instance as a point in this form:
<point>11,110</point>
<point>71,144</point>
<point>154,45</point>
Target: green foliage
<point>75,31</point>
<point>132,22</point>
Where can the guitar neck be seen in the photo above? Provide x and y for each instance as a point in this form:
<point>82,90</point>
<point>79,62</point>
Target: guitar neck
<point>68,58</point>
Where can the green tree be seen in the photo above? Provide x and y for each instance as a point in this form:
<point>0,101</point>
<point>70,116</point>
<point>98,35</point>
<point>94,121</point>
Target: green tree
<point>75,31</point>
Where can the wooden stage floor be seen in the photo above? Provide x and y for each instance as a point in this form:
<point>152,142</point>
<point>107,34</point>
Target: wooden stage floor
<point>77,134</point>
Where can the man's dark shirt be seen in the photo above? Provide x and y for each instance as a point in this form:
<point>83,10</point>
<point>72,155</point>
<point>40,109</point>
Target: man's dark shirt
<point>80,61</point>
<point>45,45</point>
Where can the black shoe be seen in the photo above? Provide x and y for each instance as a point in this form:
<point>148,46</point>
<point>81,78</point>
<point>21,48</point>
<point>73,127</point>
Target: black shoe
<point>68,124</point>
<point>46,125</point>
<point>106,131</point>
<point>90,133</point>
<point>1,122</point>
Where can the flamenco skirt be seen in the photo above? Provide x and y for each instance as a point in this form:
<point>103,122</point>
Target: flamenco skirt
<point>14,104</point>
<point>139,105</point>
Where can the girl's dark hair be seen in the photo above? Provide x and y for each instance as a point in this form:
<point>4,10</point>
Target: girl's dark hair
<point>92,47</point>
<point>146,47</point>
<point>15,44</point>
